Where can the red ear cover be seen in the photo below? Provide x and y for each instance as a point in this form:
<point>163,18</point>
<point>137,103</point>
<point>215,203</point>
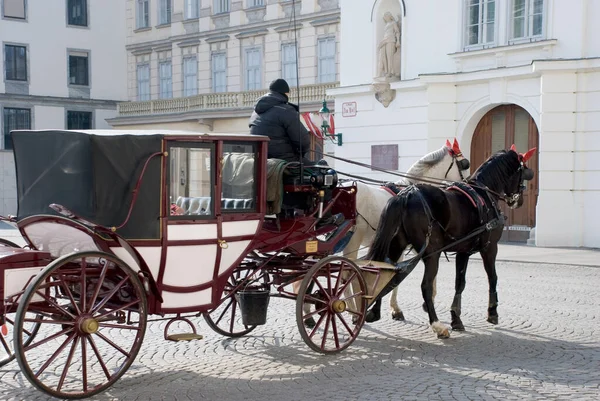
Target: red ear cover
<point>456,148</point>
<point>528,154</point>
<point>448,144</point>
<point>513,148</point>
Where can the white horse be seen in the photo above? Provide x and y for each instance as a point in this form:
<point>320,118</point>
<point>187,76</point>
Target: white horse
<point>446,163</point>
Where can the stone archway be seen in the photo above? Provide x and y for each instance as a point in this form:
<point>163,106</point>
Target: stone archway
<point>498,129</point>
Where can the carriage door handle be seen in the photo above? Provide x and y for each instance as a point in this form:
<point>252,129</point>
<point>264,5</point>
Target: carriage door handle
<point>223,244</point>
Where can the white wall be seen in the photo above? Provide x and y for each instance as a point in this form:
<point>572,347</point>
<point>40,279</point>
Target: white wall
<point>48,37</point>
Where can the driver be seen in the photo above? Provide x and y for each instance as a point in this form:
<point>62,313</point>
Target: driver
<point>278,119</point>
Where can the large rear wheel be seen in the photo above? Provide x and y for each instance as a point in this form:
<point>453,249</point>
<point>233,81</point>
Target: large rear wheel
<point>336,289</point>
<point>94,313</point>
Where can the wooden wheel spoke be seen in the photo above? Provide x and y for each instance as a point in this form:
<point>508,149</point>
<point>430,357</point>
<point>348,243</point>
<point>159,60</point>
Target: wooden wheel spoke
<point>336,339</point>
<point>55,305</point>
<point>115,346</point>
<point>317,325</point>
<point>350,331</point>
<point>99,284</point>
<point>233,308</point>
<point>353,296</point>
<point>118,326</point>
<point>63,375</point>
<point>311,314</point>
<point>69,293</point>
<point>46,321</point>
<point>325,330</point>
<point>108,296</point>
<point>100,361</point>
<point>84,285</point>
<point>347,283</point>
<point>314,299</point>
<point>5,345</point>
<point>84,363</point>
<point>129,305</point>
<point>55,354</point>
<point>322,288</point>
<point>224,311</point>
<point>52,337</point>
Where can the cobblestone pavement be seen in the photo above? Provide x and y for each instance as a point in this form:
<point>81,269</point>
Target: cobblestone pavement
<point>545,347</point>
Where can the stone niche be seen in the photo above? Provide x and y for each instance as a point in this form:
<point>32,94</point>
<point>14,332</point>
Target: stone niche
<point>387,25</point>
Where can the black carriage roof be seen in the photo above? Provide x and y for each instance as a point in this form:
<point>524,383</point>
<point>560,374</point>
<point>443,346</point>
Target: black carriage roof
<point>93,173</point>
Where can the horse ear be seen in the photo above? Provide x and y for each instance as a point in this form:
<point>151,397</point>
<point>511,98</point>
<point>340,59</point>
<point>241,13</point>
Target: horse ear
<point>448,144</point>
<point>513,148</point>
<point>528,154</point>
<point>455,147</point>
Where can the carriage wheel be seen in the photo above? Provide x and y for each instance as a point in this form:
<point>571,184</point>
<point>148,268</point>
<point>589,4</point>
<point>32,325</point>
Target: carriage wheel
<point>226,319</point>
<point>339,313</point>
<point>7,352</point>
<point>94,311</point>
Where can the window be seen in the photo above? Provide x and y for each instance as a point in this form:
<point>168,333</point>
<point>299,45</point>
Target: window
<point>164,12</point>
<point>79,120</point>
<point>221,6</point>
<point>142,14</point>
<point>253,69</point>
<point>238,178</point>
<point>15,119</point>
<point>326,65</point>
<point>79,69</point>
<point>481,18</point>
<point>77,12</point>
<point>255,3</point>
<point>191,181</point>
<point>191,9</point>
<point>143,82</point>
<point>14,9</point>
<point>288,63</point>
<point>165,79</point>
<point>190,76</point>
<point>527,19</point>
<point>219,72</point>
<point>15,59</point>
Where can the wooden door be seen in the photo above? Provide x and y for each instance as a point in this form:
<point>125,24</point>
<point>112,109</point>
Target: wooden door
<point>499,129</point>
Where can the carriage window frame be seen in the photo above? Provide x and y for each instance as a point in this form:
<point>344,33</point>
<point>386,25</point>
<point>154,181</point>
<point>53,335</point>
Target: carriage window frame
<point>213,157</point>
<point>254,208</point>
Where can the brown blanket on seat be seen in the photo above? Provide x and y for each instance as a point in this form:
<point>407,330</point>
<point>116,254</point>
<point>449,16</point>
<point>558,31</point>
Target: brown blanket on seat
<point>275,169</point>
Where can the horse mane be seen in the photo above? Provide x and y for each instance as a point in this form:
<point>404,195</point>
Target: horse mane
<point>422,166</point>
<point>497,170</point>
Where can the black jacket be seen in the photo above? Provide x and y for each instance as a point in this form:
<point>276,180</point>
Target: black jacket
<point>274,117</point>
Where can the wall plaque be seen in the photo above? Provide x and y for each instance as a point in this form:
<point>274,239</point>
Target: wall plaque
<point>385,156</point>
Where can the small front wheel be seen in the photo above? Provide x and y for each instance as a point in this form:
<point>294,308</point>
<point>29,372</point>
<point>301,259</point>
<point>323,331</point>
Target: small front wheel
<point>94,311</point>
<point>338,304</point>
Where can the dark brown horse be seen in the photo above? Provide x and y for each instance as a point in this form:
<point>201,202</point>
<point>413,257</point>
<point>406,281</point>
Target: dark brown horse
<point>463,218</point>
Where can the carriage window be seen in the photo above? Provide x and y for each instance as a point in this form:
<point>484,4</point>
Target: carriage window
<point>190,183</point>
<point>238,178</point>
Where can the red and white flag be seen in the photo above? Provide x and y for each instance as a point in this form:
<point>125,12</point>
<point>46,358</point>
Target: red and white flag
<point>310,124</point>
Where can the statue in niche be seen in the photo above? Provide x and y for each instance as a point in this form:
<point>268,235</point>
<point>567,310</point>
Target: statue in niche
<point>389,47</point>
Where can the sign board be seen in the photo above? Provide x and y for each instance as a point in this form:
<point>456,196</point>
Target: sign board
<point>349,109</point>
<point>385,156</point>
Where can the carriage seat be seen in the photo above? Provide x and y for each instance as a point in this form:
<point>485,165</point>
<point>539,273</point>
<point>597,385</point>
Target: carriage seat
<point>201,205</point>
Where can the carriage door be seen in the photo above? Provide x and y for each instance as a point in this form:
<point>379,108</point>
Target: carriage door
<point>499,129</point>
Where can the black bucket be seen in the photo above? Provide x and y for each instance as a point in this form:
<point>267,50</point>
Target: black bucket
<point>253,305</point>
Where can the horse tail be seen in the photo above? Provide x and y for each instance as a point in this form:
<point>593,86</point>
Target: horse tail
<point>391,224</point>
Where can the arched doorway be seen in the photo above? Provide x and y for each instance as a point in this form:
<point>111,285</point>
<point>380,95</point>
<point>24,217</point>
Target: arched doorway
<point>499,129</point>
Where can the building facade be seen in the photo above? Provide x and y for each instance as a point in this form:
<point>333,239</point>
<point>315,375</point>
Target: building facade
<point>201,64</point>
<point>63,66</point>
<point>490,73</point>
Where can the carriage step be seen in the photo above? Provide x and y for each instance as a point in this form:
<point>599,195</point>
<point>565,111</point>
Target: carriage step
<point>184,337</point>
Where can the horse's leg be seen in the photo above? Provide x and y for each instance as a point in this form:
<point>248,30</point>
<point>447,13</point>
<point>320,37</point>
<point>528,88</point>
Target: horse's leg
<point>489,263</point>
<point>462,259</point>
<point>434,293</point>
<point>431,269</point>
<point>351,252</point>
<point>396,312</point>
<point>309,322</point>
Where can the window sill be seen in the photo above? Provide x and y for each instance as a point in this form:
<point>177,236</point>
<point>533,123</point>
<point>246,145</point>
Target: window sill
<point>191,19</point>
<point>15,19</point>
<point>144,29</point>
<point>540,43</point>
<point>78,26</point>
<point>17,81</point>
<point>78,86</point>
<point>161,26</point>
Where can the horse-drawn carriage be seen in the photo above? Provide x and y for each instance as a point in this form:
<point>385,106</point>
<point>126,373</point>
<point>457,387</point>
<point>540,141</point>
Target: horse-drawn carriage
<point>123,225</point>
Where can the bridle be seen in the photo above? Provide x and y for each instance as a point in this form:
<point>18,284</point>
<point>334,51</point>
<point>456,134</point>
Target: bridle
<point>512,198</point>
<point>462,167</point>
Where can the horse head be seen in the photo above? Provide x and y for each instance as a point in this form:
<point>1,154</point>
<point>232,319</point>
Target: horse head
<point>462,163</point>
<point>504,174</point>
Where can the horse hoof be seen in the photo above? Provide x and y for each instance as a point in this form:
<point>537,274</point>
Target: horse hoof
<point>444,335</point>
<point>310,322</point>
<point>457,326</point>
<point>372,317</point>
<point>492,319</point>
<point>398,316</point>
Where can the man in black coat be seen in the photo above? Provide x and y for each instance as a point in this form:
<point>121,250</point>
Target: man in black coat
<point>278,119</point>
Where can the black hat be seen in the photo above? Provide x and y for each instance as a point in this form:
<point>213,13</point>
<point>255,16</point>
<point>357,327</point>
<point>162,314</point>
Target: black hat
<point>279,86</point>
